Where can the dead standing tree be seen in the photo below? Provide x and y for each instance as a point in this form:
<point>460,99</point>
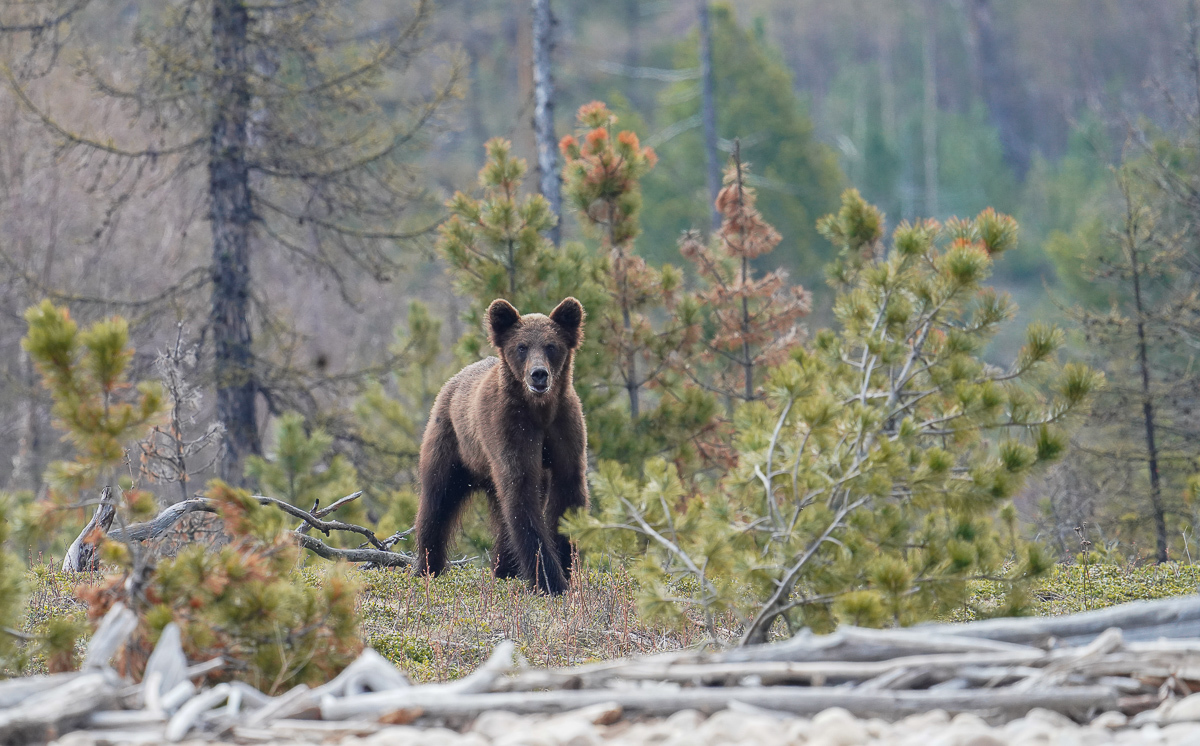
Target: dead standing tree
<point>278,106</point>
<point>549,179</point>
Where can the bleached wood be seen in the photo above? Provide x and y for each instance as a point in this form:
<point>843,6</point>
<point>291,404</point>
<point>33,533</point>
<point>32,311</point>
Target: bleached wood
<point>15,691</point>
<point>53,708</point>
<point>191,711</point>
<point>116,627</point>
<point>84,553</point>
<point>1072,701</point>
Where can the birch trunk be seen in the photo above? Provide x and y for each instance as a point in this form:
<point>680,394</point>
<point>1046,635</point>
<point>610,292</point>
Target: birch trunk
<point>708,112</point>
<point>549,180</point>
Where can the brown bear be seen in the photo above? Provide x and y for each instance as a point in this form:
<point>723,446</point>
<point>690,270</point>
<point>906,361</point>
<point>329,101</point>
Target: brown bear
<point>513,428</point>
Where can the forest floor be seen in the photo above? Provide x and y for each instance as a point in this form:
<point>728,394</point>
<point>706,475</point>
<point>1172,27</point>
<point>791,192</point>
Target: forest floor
<point>442,629</point>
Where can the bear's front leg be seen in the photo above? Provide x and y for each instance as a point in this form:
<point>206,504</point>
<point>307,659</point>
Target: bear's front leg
<point>518,491</point>
<point>564,452</point>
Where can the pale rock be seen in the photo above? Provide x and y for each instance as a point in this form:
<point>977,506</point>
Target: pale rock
<point>1051,718</point>
<point>877,727</point>
<point>403,735</point>
<point>1181,711</point>
<point>569,731</point>
<point>1149,716</point>
<point>651,733</point>
<point>1147,734</point>
<point>526,736</point>
<point>797,730</point>
<point>1182,734</point>
<point>838,727</point>
<point>1111,719</point>
<point>723,727</point>
<point>471,738</point>
<point>960,732</point>
<point>968,720</point>
<point>601,713</point>
<point>1085,737</point>
<point>685,720</point>
<point>1025,730</point>
<point>762,733</point>
<point>924,721</point>
<point>496,723</point>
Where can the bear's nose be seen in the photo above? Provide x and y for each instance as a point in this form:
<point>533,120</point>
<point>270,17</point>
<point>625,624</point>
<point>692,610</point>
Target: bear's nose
<point>539,377</point>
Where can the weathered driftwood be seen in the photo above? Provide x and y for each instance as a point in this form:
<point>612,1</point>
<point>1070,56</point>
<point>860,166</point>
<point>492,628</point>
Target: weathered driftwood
<point>1071,701</point>
<point>15,691</point>
<point>183,720</point>
<point>84,553</point>
<point>379,554</point>
<point>167,666</point>
<point>371,672</point>
<point>57,708</point>
<point>871,673</point>
<point>767,672</point>
<point>116,627</point>
<point>1140,620</point>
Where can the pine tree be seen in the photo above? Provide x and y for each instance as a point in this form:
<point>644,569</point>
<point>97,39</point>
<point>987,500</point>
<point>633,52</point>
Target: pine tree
<point>12,590</point>
<point>101,413</point>
<point>754,321</point>
<point>86,374</point>
<point>302,470</point>
<point>755,99</point>
<point>602,179</point>
<point>388,428</point>
<point>871,475</point>
<point>242,602</point>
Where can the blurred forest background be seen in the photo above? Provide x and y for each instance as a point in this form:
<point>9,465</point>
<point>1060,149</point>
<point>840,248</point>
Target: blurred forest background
<point>931,108</point>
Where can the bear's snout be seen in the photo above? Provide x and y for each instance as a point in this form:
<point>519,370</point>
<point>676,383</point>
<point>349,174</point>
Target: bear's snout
<point>539,380</point>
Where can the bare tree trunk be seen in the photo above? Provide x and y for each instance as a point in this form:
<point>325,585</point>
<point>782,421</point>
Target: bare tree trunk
<point>543,113</point>
<point>708,111</point>
<point>930,112</point>
<point>998,84</point>
<point>26,463</point>
<point>479,131</point>
<point>1160,521</point>
<point>232,213</point>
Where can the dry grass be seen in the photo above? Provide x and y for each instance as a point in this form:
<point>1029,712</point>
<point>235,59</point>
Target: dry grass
<point>444,628</point>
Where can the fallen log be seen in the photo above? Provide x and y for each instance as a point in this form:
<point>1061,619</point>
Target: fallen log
<point>1139,620</point>
<point>1075,702</point>
<point>52,710</point>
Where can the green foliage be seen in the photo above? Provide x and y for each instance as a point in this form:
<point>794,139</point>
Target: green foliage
<point>494,248</point>
<point>388,428</point>
<point>870,477</point>
<point>299,469</point>
<point>12,589</point>
<point>94,403</point>
<point>302,471</point>
<point>756,100</point>
<point>646,320</point>
<point>246,603</point>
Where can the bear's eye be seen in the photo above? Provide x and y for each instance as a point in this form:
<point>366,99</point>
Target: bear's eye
<point>551,350</point>
<point>522,349</point>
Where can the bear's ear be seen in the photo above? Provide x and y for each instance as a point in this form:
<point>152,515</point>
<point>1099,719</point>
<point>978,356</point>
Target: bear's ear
<point>569,317</point>
<point>502,318</point>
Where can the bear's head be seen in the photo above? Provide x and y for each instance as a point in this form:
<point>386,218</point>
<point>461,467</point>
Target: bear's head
<point>536,349</point>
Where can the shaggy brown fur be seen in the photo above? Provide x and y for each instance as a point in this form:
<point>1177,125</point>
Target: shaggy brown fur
<point>513,428</point>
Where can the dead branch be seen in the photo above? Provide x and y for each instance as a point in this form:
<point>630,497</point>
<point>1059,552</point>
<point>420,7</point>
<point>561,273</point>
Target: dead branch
<point>83,549</point>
